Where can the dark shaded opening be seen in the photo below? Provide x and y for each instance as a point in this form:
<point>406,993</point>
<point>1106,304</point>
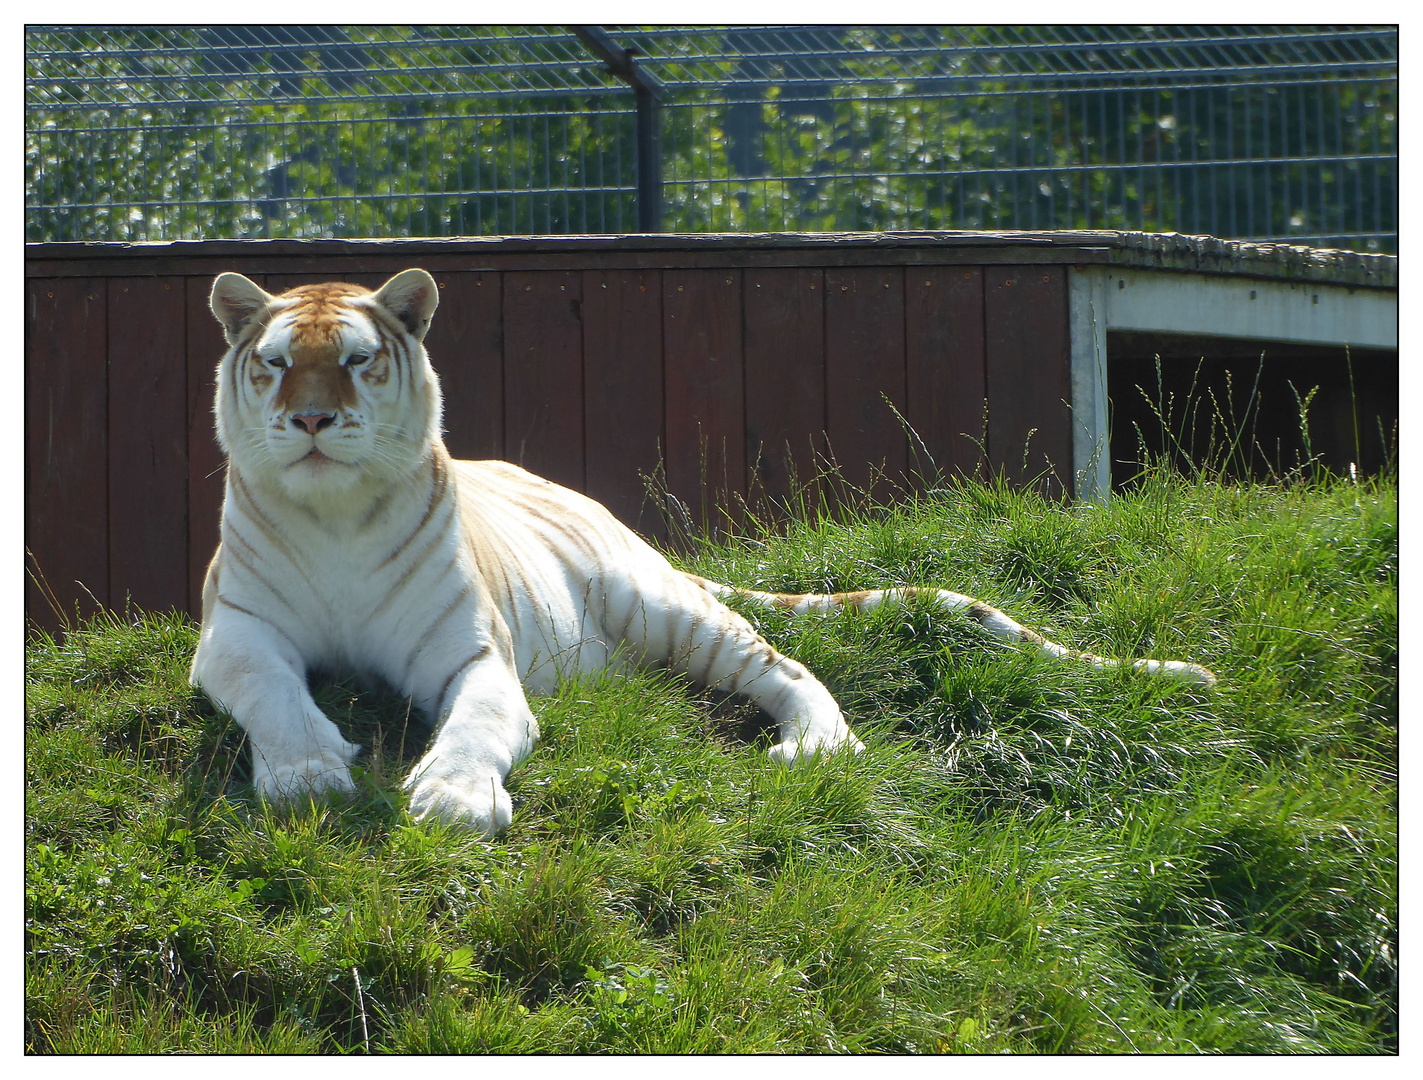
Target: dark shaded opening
<point>1234,406</point>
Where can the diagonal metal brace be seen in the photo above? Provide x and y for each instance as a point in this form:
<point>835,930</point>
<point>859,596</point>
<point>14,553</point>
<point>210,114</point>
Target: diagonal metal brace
<point>620,61</point>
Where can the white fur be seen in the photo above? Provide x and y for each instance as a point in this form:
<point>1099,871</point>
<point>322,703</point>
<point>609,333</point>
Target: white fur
<point>512,583</point>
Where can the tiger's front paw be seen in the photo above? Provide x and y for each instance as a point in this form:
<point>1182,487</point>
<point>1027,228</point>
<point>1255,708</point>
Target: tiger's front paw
<point>287,781</point>
<point>477,803</point>
<point>808,747</point>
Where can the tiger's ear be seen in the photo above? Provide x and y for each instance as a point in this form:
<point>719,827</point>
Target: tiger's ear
<point>236,301</point>
<point>411,296</point>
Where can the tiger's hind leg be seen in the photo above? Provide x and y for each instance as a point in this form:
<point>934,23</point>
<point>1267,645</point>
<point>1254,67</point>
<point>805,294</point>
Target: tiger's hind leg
<point>694,633</point>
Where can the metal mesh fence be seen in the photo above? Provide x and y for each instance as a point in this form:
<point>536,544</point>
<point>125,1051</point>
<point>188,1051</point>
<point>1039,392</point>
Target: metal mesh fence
<point>1270,133</point>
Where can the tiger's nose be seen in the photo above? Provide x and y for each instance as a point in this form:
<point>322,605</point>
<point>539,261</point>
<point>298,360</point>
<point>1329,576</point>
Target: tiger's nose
<point>314,422</point>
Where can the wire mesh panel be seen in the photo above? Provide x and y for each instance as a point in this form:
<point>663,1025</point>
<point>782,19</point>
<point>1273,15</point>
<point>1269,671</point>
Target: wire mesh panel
<point>150,134</point>
<point>1250,133</point>
<point>1269,133</point>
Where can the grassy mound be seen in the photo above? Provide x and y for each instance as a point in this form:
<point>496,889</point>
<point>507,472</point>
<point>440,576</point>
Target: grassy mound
<point>1027,857</point>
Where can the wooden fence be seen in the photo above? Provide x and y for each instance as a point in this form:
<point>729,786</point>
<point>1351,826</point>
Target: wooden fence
<point>589,364</point>
<point>589,360</point>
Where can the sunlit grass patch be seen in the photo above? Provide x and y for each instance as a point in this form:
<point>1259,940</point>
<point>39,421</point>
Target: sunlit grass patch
<point>1028,856</point>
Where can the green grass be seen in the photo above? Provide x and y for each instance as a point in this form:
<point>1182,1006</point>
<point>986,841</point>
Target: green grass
<point>1027,857</point>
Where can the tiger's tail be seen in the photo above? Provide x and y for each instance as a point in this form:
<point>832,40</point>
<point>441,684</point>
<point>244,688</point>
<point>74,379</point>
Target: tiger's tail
<point>990,618</point>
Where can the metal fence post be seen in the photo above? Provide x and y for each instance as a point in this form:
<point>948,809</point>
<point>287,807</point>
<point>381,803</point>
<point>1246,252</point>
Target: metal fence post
<point>648,92</point>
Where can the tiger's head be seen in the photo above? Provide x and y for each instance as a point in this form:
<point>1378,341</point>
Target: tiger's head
<point>326,388</point>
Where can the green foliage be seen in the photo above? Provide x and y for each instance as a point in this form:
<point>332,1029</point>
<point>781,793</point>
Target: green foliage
<point>332,170</point>
<point>868,148</point>
<point>1027,857</point>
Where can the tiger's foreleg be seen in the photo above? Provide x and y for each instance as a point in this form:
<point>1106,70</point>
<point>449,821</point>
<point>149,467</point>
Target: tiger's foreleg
<point>693,632</point>
<point>485,729</point>
<point>254,672</point>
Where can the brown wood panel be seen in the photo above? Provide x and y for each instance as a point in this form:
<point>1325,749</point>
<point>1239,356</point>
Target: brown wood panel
<point>623,393</point>
<point>1027,348</point>
<point>512,364</point>
<point>66,456</point>
<point>705,389</point>
<point>864,364</point>
<point>543,374</point>
<point>944,377</point>
<point>148,443</point>
<point>785,379</point>
<point>466,346</point>
<point>206,463</point>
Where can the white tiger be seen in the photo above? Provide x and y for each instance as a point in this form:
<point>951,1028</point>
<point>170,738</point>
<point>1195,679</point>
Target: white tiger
<point>351,540</point>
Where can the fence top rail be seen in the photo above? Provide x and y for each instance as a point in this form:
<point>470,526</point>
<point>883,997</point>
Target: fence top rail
<point>1167,251</point>
<point>95,66</point>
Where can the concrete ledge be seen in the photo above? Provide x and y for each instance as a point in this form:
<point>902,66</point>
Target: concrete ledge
<point>1103,298</point>
<point>1212,306</point>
